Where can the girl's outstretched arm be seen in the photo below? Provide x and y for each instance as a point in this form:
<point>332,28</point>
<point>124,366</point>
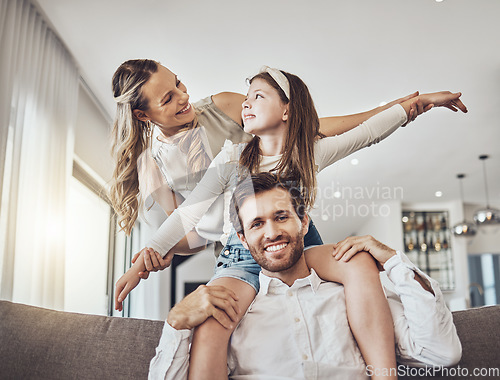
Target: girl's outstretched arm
<point>230,104</point>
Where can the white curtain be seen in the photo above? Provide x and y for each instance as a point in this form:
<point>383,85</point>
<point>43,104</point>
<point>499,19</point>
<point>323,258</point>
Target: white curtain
<point>38,99</point>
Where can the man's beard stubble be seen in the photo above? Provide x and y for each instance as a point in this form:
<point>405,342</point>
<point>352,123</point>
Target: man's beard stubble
<point>283,265</point>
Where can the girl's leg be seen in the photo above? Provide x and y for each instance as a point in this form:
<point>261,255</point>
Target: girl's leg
<point>368,311</point>
<point>210,340</point>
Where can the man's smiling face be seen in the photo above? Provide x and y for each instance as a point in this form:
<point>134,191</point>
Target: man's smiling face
<point>273,232</point>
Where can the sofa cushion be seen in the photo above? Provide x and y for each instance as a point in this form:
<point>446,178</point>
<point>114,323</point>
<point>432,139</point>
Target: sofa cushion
<point>479,333</point>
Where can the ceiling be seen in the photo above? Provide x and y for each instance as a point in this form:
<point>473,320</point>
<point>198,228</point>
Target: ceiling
<point>353,55</point>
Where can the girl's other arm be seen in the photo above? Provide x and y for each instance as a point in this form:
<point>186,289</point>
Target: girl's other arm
<point>187,215</point>
<point>169,201</point>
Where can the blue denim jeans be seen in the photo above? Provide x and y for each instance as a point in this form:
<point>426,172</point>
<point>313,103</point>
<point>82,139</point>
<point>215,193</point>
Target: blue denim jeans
<point>236,261</point>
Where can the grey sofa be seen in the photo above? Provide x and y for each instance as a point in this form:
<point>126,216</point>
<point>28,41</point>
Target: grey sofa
<point>39,343</point>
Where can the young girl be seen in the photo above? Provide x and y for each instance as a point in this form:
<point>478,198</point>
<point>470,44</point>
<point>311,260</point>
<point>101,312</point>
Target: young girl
<point>280,112</point>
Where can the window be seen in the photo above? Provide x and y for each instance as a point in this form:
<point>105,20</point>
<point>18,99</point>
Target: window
<point>88,246</point>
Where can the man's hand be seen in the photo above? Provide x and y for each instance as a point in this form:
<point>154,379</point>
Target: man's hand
<point>152,261</point>
<point>206,301</point>
<point>344,250</point>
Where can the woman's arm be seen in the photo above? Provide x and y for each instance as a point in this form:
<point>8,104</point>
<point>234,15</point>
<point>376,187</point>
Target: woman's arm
<point>331,149</point>
<point>336,125</point>
<point>230,103</point>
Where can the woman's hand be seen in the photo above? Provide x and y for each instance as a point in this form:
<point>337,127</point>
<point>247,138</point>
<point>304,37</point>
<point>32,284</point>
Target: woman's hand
<point>425,102</point>
<point>443,99</point>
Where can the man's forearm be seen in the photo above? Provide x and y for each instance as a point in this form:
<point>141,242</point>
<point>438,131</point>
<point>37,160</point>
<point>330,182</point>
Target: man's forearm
<point>423,325</point>
<point>424,283</point>
<point>171,361</point>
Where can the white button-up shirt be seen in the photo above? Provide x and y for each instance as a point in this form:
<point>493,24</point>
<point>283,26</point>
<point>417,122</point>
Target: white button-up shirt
<point>302,331</point>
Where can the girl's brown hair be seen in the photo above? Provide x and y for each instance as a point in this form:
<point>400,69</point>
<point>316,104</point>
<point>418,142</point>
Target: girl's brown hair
<point>297,161</point>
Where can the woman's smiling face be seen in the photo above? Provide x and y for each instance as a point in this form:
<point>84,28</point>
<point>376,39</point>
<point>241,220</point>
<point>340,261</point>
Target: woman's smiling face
<point>168,102</point>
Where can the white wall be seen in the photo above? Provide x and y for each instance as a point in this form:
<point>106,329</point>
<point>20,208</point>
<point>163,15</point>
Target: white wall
<point>487,239</point>
<point>386,227</point>
<point>86,264</point>
<point>199,268</point>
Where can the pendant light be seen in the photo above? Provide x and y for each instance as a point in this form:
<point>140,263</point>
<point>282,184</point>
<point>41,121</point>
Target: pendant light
<point>465,229</point>
<point>486,216</point>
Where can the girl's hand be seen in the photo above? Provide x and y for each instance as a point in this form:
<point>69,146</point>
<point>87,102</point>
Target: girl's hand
<point>152,261</point>
<point>344,250</point>
<point>124,286</point>
<point>130,279</point>
<point>206,301</point>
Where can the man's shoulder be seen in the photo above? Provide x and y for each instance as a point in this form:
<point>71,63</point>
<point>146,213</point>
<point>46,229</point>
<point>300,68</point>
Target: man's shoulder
<point>319,249</point>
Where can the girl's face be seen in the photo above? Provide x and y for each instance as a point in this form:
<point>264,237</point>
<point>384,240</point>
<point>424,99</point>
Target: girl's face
<point>263,111</point>
<point>168,101</point>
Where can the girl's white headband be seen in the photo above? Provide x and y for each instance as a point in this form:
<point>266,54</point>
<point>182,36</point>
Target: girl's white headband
<point>279,78</point>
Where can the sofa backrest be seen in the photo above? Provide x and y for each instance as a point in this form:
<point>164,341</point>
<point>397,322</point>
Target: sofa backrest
<point>39,343</point>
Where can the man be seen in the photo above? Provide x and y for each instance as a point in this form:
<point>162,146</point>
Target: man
<point>297,326</point>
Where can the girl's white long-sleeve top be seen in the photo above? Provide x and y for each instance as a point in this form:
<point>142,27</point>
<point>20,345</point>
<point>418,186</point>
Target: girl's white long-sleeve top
<point>222,175</point>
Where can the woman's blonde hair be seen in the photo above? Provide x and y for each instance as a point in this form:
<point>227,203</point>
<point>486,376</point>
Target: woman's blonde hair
<point>131,137</point>
<point>297,162</point>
